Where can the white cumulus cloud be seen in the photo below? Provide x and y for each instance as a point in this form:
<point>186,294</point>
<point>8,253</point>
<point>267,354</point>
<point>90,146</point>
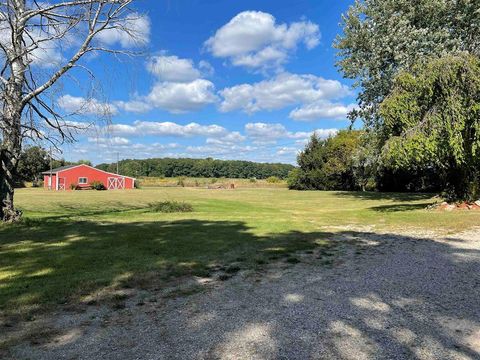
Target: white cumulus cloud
<point>255,40</point>
<point>113,141</point>
<point>143,128</point>
<point>172,68</point>
<point>81,105</point>
<point>182,97</point>
<point>178,87</point>
<point>272,132</point>
<point>322,109</point>
<point>283,90</point>
<point>132,31</point>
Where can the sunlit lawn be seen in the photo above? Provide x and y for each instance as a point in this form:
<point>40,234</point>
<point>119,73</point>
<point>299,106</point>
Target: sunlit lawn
<point>74,243</point>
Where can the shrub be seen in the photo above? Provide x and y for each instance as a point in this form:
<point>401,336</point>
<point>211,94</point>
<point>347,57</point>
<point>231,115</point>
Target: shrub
<point>273,180</point>
<point>37,184</point>
<point>294,180</point>
<point>73,186</point>
<point>137,184</point>
<point>98,185</point>
<point>170,207</point>
<point>253,180</point>
<point>181,181</point>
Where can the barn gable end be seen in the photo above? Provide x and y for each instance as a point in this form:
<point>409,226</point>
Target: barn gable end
<point>82,176</point>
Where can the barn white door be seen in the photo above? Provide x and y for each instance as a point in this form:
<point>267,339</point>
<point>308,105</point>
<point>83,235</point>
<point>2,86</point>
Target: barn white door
<point>121,183</point>
<point>112,183</point>
<point>116,183</point>
<point>61,183</point>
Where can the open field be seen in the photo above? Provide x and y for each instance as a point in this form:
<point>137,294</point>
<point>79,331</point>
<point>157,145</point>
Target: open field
<point>210,182</point>
<point>73,244</point>
<point>98,248</point>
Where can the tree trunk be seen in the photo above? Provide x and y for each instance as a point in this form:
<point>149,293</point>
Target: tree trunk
<point>9,155</point>
<point>11,118</point>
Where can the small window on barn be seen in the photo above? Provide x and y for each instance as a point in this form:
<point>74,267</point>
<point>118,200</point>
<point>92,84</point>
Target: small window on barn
<point>82,180</point>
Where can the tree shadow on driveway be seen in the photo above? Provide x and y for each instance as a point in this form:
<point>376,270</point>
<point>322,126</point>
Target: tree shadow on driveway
<point>387,296</point>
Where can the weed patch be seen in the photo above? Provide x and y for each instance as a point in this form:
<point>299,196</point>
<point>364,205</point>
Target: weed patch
<point>170,207</point>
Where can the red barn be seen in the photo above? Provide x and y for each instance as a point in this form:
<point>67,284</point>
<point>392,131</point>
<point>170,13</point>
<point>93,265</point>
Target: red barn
<point>82,176</point>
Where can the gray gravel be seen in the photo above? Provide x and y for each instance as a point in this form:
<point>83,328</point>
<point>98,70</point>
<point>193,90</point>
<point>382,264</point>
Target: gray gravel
<point>385,296</point>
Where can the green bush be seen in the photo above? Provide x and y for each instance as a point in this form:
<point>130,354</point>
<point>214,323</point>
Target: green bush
<point>273,180</point>
<point>170,207</point>
<point>137,184</point>
<point>328,164</point>
<point>73,186</point>
<point>253,180</point>
<point>98,185</point>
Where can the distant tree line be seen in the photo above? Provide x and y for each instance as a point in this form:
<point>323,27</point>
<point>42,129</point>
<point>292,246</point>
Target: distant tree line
<point>208,168</point>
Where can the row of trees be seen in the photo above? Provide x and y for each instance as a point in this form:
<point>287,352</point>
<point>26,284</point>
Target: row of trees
<point>417,68</point>
<point>209,168</point>
<point>344,162</point>
<point>34,160</point>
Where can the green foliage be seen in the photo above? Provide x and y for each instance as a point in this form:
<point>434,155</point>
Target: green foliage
<point>85,162</point>
<point>33,161</point>
<point>170,207</point>
<point>73,186</point>
<point>327,164</point>
<point>98,185</point>
<point>382,37</point>
<point>432,121</point>
<point>273,180</point>
<point>205,168</point>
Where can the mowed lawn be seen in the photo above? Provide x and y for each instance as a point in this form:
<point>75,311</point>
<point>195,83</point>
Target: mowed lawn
<point>73,244</point>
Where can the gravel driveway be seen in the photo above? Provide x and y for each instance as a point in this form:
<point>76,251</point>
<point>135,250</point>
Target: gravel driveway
<point>385,296</point>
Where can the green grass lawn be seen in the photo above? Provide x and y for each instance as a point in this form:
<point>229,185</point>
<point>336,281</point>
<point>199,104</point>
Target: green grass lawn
<point>72,244</point>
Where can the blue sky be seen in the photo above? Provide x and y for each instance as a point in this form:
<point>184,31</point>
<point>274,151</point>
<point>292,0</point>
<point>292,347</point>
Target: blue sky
<point>220,78</point>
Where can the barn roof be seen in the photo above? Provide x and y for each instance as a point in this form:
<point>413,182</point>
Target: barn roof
<point>62,168</point>
<point>56,170</point>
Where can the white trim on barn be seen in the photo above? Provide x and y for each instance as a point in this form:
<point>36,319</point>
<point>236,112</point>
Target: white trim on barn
<point>61,185</point>
<point>91,167</point>
<point>115,183</point>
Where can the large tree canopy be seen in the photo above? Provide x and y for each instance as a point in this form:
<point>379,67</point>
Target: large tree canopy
<point>382,37</point>
<point>328,164</point>
<point>432,120</point>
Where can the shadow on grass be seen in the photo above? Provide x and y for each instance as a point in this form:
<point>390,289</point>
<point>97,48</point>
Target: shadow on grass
<point>400,207</point>
<point>371,195</point>
<point>79,210</point>
<point>46,262</point>
<point>400,297</point>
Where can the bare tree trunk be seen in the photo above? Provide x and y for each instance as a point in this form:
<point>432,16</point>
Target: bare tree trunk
<point>11,121</point>
<point>9,155</point>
